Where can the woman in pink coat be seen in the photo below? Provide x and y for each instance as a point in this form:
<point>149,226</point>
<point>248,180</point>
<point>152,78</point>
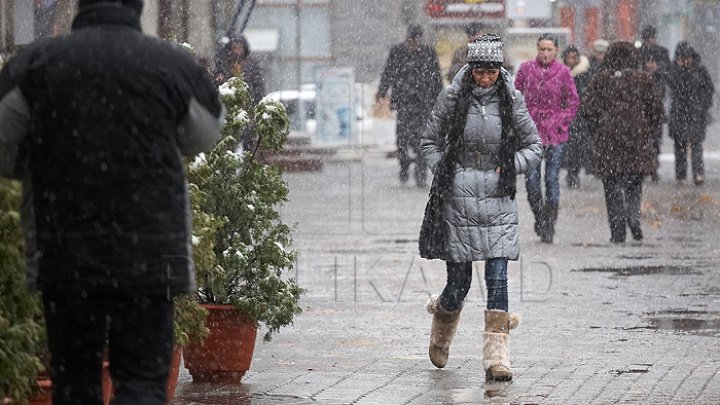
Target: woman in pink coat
<point>552,100</point>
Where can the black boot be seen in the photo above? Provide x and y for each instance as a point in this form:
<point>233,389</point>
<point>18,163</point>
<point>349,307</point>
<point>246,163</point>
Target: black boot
<point>573,178</point>
<point>540,219</point>
<point>548,231</point>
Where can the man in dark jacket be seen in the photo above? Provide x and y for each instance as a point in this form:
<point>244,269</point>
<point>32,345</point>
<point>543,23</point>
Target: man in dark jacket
<point>623,109</point>
<point>692,96</point>
<point>413,73</point>
<point>94,124</point>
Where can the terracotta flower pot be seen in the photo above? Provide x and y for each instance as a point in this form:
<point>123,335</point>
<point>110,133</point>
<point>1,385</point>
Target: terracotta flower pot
<point>225,355</point>
<point>44,396</point>
<point>171,384</point>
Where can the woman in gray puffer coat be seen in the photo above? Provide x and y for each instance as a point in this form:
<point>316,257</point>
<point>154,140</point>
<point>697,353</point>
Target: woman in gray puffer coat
<point>493,139</point>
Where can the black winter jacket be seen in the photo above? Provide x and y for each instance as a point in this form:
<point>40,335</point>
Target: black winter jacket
<point>413,77</point>
<point>95,124</point>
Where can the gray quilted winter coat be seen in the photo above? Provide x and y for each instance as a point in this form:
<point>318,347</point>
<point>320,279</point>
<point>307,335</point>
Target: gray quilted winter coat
<point>482,223</point>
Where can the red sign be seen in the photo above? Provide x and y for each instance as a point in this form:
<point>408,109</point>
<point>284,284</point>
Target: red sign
<point>465,8</point>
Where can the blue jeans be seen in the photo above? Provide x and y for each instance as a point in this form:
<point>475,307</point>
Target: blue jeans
<point>459,278</point>
<point>553,156</point>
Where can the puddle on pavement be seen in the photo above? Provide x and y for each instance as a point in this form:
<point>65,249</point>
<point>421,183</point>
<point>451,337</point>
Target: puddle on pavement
<point>476,396</point>
<point>701,323</point>
<point>642,270</point>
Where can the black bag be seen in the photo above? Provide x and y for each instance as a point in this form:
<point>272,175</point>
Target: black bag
<point>433,231</point>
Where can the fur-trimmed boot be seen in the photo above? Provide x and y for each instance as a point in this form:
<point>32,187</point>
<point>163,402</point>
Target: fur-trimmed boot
<point>444,325</point>
<point>496,344</point>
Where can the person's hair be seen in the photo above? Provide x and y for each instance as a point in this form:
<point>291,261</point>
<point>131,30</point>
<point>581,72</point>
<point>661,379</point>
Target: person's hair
<point>548,37</point>
<point>685,50</point>
<point>473,28</point>
<point>570,49</point>
<point>242,40</point>
<point>648,32</point>
<point>414,31</point>
<point>622,55</point>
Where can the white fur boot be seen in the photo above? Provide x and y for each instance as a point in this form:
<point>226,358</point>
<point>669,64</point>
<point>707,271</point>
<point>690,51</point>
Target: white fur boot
<point>496,344</point>
<point>444,325</point>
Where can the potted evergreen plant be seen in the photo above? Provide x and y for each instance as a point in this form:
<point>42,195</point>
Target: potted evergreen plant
<point>21,326</point>
<point>244,283</point>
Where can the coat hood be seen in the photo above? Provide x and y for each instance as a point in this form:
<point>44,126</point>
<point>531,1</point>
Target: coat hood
<point>684,49</point>
<point>622,55</point>
<point>581,67</point>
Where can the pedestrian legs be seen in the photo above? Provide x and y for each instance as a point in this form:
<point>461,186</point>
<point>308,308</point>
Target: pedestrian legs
<point>633,199</point>
<point>496,283</point>
<point>535,197</point>
<point>553,161</point>
<point>75,328</point>
<point>680,159</point>
<point>496,344</point>
<point>446,311</point>
<point>698,165</point>
<point>614,201</point>
<point>140,348</point>
<point>139,332</point>
<point>403,148</point>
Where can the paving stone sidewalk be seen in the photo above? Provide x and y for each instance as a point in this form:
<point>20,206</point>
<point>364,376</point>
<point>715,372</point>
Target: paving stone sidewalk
<point>637,323</point>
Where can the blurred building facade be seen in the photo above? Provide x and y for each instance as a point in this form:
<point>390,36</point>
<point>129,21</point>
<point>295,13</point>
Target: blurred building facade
<point>292,38</point>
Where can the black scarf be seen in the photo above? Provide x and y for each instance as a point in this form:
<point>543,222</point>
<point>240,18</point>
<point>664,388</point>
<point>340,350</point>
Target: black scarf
<point>509,143</point>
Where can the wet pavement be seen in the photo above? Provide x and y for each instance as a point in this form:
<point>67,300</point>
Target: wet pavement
<point>636,323</point>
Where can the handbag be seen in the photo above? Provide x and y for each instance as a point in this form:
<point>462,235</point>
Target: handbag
<point>433,230</point>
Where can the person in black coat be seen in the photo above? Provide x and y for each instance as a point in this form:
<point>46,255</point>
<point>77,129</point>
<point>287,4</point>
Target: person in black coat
<point>692,96</point>
<point>235,59</point>
<point>579,147</point>
<point>95,124</point>
<point>413,73</point>
<point>656,61</point>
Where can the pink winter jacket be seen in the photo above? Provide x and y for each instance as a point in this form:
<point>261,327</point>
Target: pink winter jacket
<point>551,98</point>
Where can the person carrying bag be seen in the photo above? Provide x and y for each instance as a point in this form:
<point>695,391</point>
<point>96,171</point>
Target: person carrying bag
<point>478,138</point>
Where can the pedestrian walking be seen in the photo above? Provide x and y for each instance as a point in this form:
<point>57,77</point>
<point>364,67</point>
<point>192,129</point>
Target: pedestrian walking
<point>94,124</point>
<point>579,146</point>
<point>552,100</point>
<point>624,108</point>
<point>412,74</point>
<point>235,60</point>
<point>656,62</point>
<point>692,96</point>
<point>478,139</point>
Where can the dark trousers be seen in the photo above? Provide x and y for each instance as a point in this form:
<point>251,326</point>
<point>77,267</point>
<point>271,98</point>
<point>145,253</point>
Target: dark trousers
<point>139,335</point>
<point>459,278</point>
<point>623,194</point>
<point>408,133</point>
<point>696,157</point>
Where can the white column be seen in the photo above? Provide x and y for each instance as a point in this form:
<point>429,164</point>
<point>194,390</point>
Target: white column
<point>149,19</point>
<point>24,20</point>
